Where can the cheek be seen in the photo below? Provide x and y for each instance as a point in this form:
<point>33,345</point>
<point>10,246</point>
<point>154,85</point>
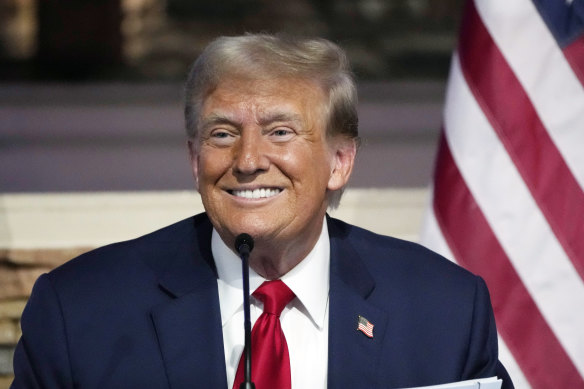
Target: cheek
<point>313,168</point>
<point>212,165</point>
<point>298,164</point>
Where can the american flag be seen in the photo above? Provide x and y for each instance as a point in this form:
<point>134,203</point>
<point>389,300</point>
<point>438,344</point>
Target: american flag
<point>365,326</point>
<point>508,199</point>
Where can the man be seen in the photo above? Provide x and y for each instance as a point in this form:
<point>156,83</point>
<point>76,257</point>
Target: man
<point>272,135</point>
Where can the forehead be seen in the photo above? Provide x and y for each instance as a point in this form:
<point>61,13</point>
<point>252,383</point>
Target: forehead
<point>304,98</point>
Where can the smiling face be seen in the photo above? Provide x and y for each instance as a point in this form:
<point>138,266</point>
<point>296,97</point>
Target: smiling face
<point>264,164</point>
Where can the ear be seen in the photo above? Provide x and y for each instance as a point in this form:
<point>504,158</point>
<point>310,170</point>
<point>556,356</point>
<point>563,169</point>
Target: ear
<point>344,152</point>
<point>193,155</point>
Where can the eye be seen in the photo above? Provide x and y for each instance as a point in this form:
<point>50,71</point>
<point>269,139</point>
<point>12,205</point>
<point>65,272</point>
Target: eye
<point>281,134</point>
<point>221,137</point>
<point>220,134</point>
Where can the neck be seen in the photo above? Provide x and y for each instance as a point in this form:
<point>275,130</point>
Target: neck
<point>272,261</point>
<point>272,266</point>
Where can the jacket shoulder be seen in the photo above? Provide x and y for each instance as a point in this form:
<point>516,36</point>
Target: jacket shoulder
<point>387,257</point>
<point>376,248</point>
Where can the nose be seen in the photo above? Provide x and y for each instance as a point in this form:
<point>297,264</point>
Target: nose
<point>251,156</point>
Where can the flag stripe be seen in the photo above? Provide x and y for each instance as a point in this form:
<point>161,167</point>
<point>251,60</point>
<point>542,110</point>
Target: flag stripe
<point>508,197</point>
<point>432,236</point>
<point>543,71</point>
<point>533,344</point>
<point>515,219</point>
<point>508,107</point>
<point>575,55</point>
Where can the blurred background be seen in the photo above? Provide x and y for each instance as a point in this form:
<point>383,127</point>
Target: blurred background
<point>90,91</point>
<point>92,145</point>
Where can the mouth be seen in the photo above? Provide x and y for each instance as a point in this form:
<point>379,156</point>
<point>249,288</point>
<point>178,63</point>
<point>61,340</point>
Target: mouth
<point>258,193</point>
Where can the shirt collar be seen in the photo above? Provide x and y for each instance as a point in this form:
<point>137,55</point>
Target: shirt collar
<point>309,280</point>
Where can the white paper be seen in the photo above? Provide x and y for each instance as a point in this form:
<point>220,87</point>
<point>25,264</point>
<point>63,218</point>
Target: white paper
<point>479,383</point>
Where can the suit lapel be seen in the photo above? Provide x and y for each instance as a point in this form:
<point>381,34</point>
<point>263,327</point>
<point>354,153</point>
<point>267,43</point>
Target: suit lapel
<point>188,327</point>
<point>353,357</point>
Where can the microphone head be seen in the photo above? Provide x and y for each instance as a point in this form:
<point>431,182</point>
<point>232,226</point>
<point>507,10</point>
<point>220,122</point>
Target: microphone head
<point>243,240</point>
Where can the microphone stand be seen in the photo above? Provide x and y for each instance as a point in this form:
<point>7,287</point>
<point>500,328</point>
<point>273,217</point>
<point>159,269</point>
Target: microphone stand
<point>244,245</point>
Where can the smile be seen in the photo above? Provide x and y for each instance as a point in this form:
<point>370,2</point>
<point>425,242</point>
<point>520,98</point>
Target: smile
<point>256,193</point>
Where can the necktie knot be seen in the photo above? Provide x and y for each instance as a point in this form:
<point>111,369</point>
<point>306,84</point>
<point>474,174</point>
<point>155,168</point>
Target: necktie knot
<point>275,295</point>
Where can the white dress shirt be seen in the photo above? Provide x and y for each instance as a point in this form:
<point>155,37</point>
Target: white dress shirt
<point>304,320</point>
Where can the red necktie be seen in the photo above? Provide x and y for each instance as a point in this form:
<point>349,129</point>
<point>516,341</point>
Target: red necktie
<point>270,359</point>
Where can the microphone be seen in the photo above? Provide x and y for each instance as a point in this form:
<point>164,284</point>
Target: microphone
<point>243,246</point>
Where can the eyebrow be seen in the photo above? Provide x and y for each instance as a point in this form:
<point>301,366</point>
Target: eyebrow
<point>216,118</point>
<point>270,117</point>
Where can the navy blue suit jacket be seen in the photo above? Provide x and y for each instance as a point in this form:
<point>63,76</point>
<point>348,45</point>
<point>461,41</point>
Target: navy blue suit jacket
<point>145,314</point>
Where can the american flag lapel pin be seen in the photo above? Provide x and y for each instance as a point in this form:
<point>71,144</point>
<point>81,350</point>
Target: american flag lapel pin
<point>365,326</point>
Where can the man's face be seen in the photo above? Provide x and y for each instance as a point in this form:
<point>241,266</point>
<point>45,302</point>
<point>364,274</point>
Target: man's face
<point>263,163</point>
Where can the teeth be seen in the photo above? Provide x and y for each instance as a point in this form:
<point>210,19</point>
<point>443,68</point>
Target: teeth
<point>256,193</point>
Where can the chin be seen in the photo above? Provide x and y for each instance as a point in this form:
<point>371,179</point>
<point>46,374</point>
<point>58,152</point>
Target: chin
<point>255,230</point>
<point>236,225</point>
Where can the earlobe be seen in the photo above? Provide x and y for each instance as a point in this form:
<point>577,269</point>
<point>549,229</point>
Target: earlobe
<point>342,164</point>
